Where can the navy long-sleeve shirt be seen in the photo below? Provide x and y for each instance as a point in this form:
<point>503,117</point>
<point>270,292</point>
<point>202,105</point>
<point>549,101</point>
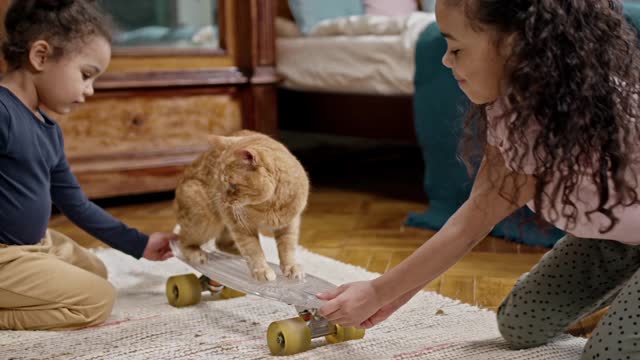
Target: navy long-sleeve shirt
<point>34,173</point>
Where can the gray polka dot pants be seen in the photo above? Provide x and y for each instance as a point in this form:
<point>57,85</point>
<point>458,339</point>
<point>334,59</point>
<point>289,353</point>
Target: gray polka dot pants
<point>574,279</point>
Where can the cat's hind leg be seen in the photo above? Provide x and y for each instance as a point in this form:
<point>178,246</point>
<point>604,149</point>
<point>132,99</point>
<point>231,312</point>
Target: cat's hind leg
<point>224,242</point>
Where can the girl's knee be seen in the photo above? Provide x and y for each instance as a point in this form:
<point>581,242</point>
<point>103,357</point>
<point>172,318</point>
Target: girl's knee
<point>108,294</point>
<point>99,305</point>
<point>519,330</point>
<point>82,310</point>
<point>520,335</point>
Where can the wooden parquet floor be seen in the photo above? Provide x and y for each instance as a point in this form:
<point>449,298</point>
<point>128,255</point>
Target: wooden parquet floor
<point>356,216</point>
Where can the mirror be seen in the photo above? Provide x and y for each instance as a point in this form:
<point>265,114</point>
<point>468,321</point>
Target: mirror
<point>164,24</point>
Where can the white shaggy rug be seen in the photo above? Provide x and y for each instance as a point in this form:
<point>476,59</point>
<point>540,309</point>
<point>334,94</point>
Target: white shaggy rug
<point>145,326</point>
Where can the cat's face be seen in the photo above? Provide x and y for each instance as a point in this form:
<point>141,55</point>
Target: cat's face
<point>243,177</point>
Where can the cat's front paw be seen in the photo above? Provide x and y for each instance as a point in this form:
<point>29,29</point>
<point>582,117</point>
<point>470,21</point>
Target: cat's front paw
<point>194,255</point>
<point>294,271</point>
<point>264,273</point>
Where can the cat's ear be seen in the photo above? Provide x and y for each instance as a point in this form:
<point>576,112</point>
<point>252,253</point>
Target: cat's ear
<point>218,141</point>
<point>247,156</point>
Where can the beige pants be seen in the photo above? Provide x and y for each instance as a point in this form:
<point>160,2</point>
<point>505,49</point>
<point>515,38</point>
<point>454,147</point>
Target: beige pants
<point>55,284</point>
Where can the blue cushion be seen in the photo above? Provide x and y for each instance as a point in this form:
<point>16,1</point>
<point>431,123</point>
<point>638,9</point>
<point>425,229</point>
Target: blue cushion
<point>632,12</point>
<point>309,13</point>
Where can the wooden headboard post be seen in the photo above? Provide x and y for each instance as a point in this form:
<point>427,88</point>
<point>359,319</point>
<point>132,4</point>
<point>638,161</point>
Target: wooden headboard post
<point>283,9</point>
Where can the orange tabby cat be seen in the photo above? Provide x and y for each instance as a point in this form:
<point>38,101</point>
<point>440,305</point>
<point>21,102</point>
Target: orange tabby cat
<point>244,184</point>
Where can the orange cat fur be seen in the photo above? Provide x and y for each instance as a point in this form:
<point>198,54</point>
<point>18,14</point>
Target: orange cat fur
<point>244,184</point>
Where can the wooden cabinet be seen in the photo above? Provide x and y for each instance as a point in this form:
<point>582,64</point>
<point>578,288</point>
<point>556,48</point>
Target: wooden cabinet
<point>155,105</point>
<point>150,123</point>
<point>132,142</point>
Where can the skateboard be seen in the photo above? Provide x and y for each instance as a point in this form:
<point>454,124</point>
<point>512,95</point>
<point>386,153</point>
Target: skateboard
<point>227,276</point>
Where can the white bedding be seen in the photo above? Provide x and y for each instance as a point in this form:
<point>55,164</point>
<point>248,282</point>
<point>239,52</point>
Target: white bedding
<point>358,54</point>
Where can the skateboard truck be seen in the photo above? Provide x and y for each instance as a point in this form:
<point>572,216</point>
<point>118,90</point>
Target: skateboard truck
<point>213,286</point>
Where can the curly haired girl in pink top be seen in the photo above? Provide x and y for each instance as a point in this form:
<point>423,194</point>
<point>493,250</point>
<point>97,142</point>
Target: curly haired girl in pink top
<point>555,86</point>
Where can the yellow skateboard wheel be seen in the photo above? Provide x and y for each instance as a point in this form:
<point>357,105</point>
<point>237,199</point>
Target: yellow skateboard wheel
<point>183,290</point>
<point>288,337</point>
<point>345,334</point>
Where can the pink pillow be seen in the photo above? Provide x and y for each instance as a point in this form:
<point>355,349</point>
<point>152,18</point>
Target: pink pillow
<point>390,7</point>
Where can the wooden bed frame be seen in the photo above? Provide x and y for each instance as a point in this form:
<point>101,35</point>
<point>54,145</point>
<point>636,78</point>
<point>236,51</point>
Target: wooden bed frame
<point>360,115</point>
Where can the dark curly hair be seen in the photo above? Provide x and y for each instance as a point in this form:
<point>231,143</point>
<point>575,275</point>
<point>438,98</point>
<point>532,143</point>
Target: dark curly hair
<point>573,72</point>
<point>62,23</point>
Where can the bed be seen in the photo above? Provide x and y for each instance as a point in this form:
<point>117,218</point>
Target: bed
<point>349,76</point>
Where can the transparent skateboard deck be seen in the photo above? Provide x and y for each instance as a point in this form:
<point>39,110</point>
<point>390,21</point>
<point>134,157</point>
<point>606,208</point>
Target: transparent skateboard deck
<point>232,271</point>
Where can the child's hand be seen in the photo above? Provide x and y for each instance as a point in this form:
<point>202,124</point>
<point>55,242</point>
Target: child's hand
<point>387,310</point>
<point>351,304</point>
<point>158,246</point>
